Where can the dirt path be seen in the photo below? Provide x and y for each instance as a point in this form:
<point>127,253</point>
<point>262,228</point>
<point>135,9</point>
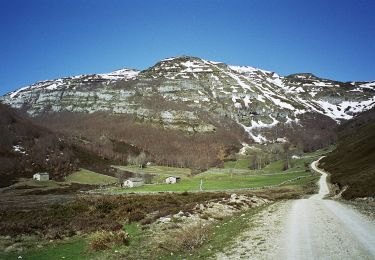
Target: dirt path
<point>261,241</point>
<point>312,228</point>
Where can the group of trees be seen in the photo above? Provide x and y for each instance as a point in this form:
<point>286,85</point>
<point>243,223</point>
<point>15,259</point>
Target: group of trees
<point>122,138</point>
<point>260,158</point>
<point>313,131</point>
<point>98,131</point>
<point>41,149</point>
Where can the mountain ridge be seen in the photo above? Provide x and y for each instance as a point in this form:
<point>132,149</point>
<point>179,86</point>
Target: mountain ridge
<point>179,93</point>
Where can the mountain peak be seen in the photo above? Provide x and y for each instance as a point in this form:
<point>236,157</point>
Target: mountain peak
<point>181,67</point>
<point>304,75</point>
<point>124,73</point>
<point>251,96</point>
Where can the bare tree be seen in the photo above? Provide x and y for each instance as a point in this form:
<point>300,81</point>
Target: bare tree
<point>286,149</point>
<point>141,159</point>
<point>120,177</point>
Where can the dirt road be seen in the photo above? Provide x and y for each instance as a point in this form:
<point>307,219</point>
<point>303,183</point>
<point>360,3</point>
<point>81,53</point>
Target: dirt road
<point>314,228</point>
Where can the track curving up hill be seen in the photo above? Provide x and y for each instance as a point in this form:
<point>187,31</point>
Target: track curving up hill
<point>313,228</point>
<point>326,229</point>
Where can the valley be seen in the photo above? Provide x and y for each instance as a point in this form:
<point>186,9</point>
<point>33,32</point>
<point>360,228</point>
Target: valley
<point>187,159</point>
<point>187,130</point>
<point>59,196</point>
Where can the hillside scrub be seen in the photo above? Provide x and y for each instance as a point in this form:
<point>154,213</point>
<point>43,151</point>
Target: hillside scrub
<point>352,163</point>
<point>26,148</point>
<point>91,214</point>
<point>310,133</point>
<point>103,240</point>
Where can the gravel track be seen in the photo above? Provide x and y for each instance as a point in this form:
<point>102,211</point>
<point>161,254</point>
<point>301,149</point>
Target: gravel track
<point>314,228</point>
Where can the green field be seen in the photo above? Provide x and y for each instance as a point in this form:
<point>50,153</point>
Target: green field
<point>78,248</point>
<point>234,175</point>
<point>219,181</point>
<point>71,249</point>
<point>84,176</point>
<point>159,172</point>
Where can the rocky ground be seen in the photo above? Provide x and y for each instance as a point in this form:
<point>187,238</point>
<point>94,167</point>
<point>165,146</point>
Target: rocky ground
<point>262,240</point>
<point>204,217</point>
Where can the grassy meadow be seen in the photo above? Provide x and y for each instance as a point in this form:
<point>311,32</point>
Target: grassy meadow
<point>234,175</point>
<point>84,176</point>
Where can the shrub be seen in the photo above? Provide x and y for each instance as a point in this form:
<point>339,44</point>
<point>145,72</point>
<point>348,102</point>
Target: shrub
<point>103,240</point>
<point>189,237</point>
<point>136,215</point>
<point>147,221</point>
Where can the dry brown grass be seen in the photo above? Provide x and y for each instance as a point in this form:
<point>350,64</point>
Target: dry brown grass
<point>187,237</point>
<point>103,240</point>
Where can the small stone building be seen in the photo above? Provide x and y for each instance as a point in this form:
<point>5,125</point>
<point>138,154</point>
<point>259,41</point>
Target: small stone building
<point>172,179</point>
<point>133,182</point>
<point>41,176</point>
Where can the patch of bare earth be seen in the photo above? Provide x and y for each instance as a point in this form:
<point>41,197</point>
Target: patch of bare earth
<point>262,240</point>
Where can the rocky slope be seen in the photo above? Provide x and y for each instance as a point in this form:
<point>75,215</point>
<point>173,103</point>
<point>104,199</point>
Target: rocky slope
<point>189,94</point>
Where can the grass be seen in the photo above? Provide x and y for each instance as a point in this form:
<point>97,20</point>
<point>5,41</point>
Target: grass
<point>71,249</point>
<point>77,248</point>
<point>159,172</point>
<point>218,181</point>
<point>36,184</point>
<point>234,175</point>
<point>239,164</point>
<point>84,176</point>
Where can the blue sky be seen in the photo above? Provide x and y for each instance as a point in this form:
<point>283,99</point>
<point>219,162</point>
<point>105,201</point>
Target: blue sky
<point>46,39</point>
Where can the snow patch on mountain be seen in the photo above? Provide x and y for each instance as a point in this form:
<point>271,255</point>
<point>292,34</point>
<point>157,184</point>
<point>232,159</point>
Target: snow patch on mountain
<point>258,98</point>
<point>121,74</point>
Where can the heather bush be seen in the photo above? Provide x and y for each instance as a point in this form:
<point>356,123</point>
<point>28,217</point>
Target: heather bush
<point>103,240</point>
<point>136,215</point>
<point>91,214</point>
<point>188,237</point>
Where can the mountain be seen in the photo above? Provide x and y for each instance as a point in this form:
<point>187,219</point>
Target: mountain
<point>352,163</point>
<point>191,100</point>
<point>253,97</point>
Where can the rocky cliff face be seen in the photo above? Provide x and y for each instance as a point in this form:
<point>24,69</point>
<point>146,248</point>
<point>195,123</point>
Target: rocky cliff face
<point>188,93</point>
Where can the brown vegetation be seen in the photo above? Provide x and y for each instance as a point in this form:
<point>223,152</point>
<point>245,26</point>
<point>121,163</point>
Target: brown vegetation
<point>188,238</point>
<point>91,214</point>
<point>101,133</point>
<point>313,131</point>
<point>41,150</point>
<point>103,240</point>
<point>352,163</point>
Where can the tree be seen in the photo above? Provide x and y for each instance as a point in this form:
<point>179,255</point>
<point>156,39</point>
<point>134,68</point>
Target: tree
<point>147,178</point>
<point>253,162</point>
<point>221,155</point>
<point>120,177</point>
<point>141,159</point>
<point>286,149</point>
<point>131,159</point>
